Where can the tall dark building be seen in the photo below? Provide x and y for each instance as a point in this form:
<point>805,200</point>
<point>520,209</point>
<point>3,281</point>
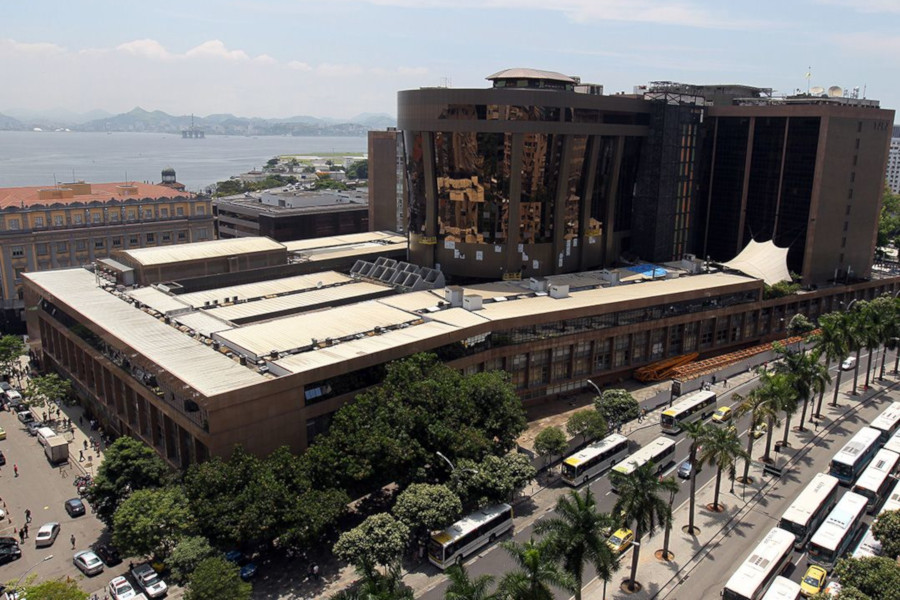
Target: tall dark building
<point>387,181</point>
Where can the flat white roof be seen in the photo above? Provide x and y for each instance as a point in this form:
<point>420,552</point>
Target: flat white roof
<point>157,300</point>
<point>262,289</point>
<point>182,356</point>
<point>345,240</point>
<point>161,255</point>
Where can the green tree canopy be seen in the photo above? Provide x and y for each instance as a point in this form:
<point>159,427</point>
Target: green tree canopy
<point>889,220</point>
<point>550,442</point>
<point>536,572</point>
<point>187,554</point>
<point>377,541</point>
<point>463,587</point>
<point>875,576</point>
<point>589,424</point>
<point>495,479</point>
<point>800,325</point>
<point>214,579</point>
<point>387,586</point>
<point>11,348</point>
<point>55,590</point>
<point>886,529</point>
<point>617,406</point>
<point>424,507</point>
<point>358,169</point>
<point>151,521</point>
<point>47,388</point>
<point>128,465</point>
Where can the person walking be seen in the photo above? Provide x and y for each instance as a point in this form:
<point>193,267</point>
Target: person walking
<point>16,469</point>
<point>25,529</point>
<point>72,539</point>
<point>81,456</point>
<point>28,515</point>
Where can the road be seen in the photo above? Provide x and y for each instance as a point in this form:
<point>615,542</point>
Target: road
<point>704,582</point>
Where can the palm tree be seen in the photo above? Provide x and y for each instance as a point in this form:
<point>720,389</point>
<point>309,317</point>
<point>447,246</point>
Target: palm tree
<point>575,536</point>
<point>831,342</point>
<point>795,386</point>
<point>695,431</point>
<point>772,390</point>
<point>641,502</point>
<point>855,324</point>
<point>536,572</point>
<point>462,587</point>
<point>871,323</point>
<point>722,448</point>
<point>759,410</point>
<point>806,374</point>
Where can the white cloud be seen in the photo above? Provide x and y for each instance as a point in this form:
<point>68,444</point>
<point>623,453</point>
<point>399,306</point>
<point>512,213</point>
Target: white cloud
<point>216,49</point>
<point>146,47</point>
<point>10,47</point>
<point>297,65</point>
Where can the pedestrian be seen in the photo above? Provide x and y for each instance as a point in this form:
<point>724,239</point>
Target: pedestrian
<point>85,444</point>
<point>16,469</point>
<point>309,571</point>
<point>72,539</point>
<point>25,529</point>
<point>22,536</point>
<point>27,515</point>
<point>81,456</point>
<point>315,572</point>
<point>44,416</point>
<point>80,421</point>
<point>713,378</point>
<point>725,383</point>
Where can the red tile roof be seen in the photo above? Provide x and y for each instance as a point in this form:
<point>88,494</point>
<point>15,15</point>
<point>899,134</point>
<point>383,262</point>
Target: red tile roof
<point>28,197</point>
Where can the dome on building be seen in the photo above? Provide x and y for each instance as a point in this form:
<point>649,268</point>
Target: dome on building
<point>531,74</point>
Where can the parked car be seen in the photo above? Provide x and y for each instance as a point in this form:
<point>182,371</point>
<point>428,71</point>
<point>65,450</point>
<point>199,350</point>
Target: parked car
<point>722,415</point>
<point>46,535</point>
<point>25,417</point>
<point>120,589</point>
<point>75,507</point>
<point>10,553</point>
<point>32,427</point>
<point>848,363</point>
<point>249,571</point>
<point>13,397</point>
<point>2,434</point>
<point>2,458</point>
<point>148,579</point>
<point>88,562</point>
<point>5,387</point>
<point>108,554</point>
<point>8,540</point>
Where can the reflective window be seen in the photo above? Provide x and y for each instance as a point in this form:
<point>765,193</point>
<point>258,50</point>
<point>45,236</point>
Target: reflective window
<point>540,175</point>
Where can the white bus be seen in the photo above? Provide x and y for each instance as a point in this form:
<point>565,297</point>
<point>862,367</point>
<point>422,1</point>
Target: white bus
<point>783,589</point>
<point>468,535</point>
<point>753,578</point>
<point>699,405</point>
<point>887,422</point>
<point>810,508</point>
<point>854,457</point>
<point>594,459</point>
<point>836,534</point>
<point>657,452</point>
<point>876,480</point>
<point>868,546</point>
<point>893,501</point>
<point>893,444</point>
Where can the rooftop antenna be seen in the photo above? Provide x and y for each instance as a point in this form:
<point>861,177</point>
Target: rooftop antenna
<point>808,77</point>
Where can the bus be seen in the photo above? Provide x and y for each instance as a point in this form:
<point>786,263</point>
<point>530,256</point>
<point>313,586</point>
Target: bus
<point>888,422</point>
<point>868,546</point>
<point>893,444</point>
<point>893,501</point>
<point>876,479</point>
<point>836,534</point>
<point>693,407</point>
<point>810,508</point>
<point>854,457</point>
<point>783,589</point>
<point>657,452</point>
<point>594,459</point>
<point>469,534</point>
<point>753,578</point>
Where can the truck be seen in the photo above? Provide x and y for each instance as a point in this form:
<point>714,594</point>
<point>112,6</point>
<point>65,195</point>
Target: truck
<point>57,450</point>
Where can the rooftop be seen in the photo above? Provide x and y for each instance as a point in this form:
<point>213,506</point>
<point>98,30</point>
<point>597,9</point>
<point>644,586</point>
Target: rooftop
<point>85,193</point>
<point>199,251</point>
<point>520,73</point>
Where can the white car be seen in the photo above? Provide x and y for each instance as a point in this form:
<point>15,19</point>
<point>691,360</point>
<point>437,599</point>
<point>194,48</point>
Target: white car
<point>848,363</point>
<point>88,562</point>
<point>149,580</point>
<point>46,535</point>
<point>120,589</point>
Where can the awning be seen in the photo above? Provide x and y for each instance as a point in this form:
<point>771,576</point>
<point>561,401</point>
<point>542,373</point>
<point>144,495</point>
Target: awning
<point>762,260</point>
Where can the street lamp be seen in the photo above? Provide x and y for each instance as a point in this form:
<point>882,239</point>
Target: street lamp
<point>453,467</point>
<point>664,554</point>
<point>30,569</point>
<point>594,385</point>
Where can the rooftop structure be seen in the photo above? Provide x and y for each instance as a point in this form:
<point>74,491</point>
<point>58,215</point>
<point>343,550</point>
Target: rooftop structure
<point>84,193</point>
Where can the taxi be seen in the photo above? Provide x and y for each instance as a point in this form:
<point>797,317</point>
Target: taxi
<point>813,581</point>
<point>620,540</point>
<point>722,415</point>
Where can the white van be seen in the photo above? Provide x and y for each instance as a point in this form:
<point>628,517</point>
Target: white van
<point>44,434</point>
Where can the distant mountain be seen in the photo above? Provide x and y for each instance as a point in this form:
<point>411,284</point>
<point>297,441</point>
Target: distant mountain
<point>10,124</point>
<point>375,120</point>
<point>56,116</point>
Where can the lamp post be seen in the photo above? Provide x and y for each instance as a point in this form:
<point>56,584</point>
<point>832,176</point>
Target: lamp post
<point>664,554</point>
<point>594,385</point>
<point>30,569</point>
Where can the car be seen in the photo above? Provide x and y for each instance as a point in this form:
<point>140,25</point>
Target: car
<point>2,434</point>
<point>5,387</point>
<point>108,554</point>
<point>249,571</point>
<point>620,540</point>
<point>25,417</point>
<point>88,562</point>
<point>120,589</point>
<point>813,582</point>
<point>8,540</point>
<point>2,458</point>
<point>46,535</point>
<point>684,470</point>
<point>722,415</point>
<point>13,397</point>
<point>848,363</point>
<point>75,507</point>
<point>148,579</point>
<point>9,553</point>
<point>236,556</point>
<point>32,427</point>
<point>760,430</point>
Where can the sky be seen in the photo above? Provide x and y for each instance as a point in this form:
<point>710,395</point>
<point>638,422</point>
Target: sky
<point>339,58</point>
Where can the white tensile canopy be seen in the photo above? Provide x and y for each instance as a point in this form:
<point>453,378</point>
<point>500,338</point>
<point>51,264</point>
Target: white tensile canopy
<point>762,260</point>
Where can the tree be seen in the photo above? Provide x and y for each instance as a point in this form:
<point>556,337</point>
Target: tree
<point>641,503</point>
<point>272,162</point>
<point>800,325</point>
<point>359,169</point>
<point>872,323</point>
<point>550,442</point>
<point>493,480</point>
<point>721,447</point>
<point>152,521</point>
<point>855,330</point>
<point>575,537</point>
<point>889,219</point>
<point>187,554</point>
<point>806,375</point>
<point>774,393</point>
<point>47,388</point>
<point>875,576</point>
<point>886,529</point>
<point>388,586</point>
<point>537,572</point>
<point>831,342</point>
<point>589,424</point>
<point>696,431</point>
<point>128,465</point>
<point>216,578</point>
<point>760,411</point>
<point>617,407</point>
<point>377,541</point>
<point>462,587</point>
<point>55,590</point>
<point>424,507</point>
<point>11,348</point>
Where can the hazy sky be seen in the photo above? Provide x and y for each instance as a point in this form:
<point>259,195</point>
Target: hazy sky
<point>337,58</point>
